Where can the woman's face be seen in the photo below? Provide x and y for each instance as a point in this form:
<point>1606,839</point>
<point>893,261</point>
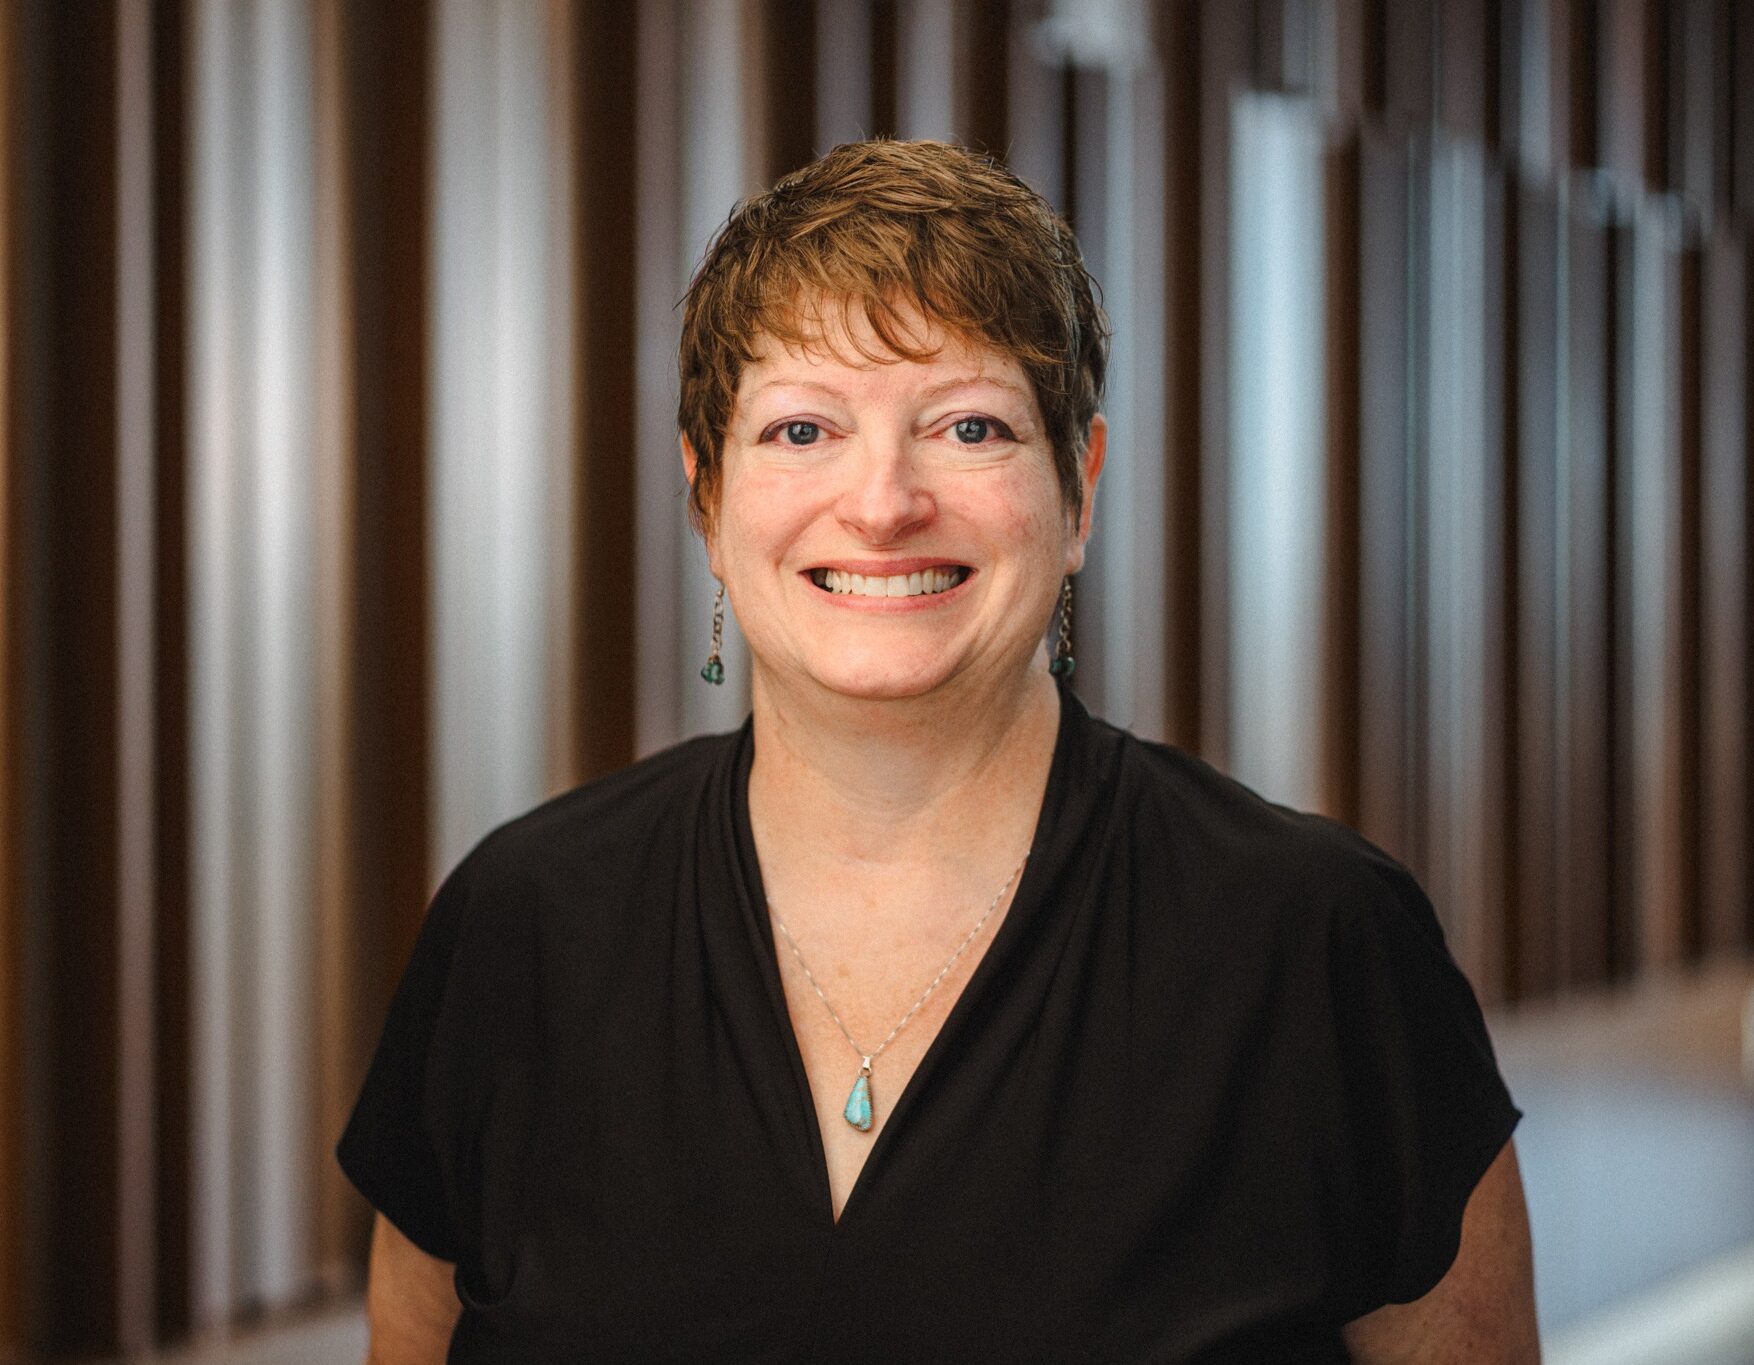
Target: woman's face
<point>883,530</point>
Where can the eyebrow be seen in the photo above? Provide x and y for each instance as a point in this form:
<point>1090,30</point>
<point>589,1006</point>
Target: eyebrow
<point>943,386</point>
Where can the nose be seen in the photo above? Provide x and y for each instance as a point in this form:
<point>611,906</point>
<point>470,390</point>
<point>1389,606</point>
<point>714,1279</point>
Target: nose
<point>886,497</point>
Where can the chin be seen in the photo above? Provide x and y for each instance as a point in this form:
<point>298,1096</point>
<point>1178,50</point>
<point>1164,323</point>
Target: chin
<point>882,680</point>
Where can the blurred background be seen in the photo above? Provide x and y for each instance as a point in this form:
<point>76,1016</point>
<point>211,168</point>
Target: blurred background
<point>341,518</point>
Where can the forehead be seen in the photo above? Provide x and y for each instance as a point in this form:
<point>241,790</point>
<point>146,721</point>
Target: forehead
<point>847,352</point>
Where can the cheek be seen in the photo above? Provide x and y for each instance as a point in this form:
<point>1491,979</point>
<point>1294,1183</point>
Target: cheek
<point>760,512</point>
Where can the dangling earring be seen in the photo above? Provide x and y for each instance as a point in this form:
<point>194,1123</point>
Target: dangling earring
<point>1062,663</point>
<point>714,672</point>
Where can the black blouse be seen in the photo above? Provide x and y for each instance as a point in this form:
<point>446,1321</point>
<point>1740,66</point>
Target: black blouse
<point>1215,1088</point>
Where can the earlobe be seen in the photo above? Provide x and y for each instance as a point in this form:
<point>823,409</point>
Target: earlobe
<point>689,460</point>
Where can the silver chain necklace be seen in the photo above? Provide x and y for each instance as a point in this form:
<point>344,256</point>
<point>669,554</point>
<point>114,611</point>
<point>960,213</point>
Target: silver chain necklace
<point>858,1106</point>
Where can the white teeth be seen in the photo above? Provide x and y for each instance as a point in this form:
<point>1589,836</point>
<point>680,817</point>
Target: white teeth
<point>892,585</point>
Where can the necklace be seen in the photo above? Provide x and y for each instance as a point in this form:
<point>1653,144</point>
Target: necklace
<point>858,1106</point>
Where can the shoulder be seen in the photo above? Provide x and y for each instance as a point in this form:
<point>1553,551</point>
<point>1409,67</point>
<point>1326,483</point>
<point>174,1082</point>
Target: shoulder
<point>612,816</point>
<point>1236,841</point>
<point>593,847</point>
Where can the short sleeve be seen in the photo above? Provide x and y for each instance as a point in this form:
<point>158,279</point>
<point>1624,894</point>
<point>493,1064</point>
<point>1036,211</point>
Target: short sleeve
<point>1425,1108</point>
<point>388,1149</point>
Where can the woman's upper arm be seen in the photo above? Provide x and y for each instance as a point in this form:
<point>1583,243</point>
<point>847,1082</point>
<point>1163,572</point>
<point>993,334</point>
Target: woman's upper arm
<point>1483,1310</point>
<point>411,1302</point>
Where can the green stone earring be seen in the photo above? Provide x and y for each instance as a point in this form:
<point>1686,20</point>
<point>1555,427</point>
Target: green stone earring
<point>1062,664</point>
<point>714,672</point>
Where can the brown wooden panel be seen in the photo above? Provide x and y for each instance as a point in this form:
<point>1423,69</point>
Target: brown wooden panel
<point>12,1080</point>
<point>1342,267</point>
<point>885,58</point>
<point>1224,54</point>
<point>1581,107</point>
<point>1285,45</point>
<point>1532,815</point>
<point>389,47</point>
<point>1467,75</point>
<point>333,457</point>
<point>173,1063</point>
<point>1387,803</point>
<point>984,93</point>
<point>1591,888</point>
<point>1740,44</point>
<point>788,74</point>
<point>1409,55</point>
<point>1632,71</point>
<point>1727,531</point>
<point>1692,86</point>
<point>605,257</point>
<point>1682,642</point>
<point>69,854</point>
<point>1349,55</point>
<point>1184,189</point>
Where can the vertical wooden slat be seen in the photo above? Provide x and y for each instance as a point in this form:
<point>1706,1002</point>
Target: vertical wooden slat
<point>1726,606</point>
<point>1631,50</point>
<point>1037,132</point>
<point>1591,882</point>
<point>884,120</point>
<point>788,79</point>
<point>1224,52</point>
<point>136,642</point>
<point>1531,823</point>
<point>1343,270</point>
<point>335,457</point>
<point>1682,653</point>
<point>1691,149</point>
<point>983,76</point>
<point>12,1081</point>
<point>71,853</point>
<point>841,71</point>
<point>1467,69</point>
<point>1346,56</point>
<point>607,251</point>
<point>1409,58</point>
<point>1386,801</point>
<point>1184,413</point>
<point>173,1062</point>
<point>666,650</point>
<point>1740,41</point>
<point>390,58</point>
<point>1582,108</point>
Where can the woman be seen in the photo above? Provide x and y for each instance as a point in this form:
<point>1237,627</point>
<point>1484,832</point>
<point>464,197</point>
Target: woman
<point>926,1017</point>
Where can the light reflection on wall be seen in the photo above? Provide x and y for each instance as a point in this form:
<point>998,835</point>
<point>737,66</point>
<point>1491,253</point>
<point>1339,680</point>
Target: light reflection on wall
<point>1277,447</point>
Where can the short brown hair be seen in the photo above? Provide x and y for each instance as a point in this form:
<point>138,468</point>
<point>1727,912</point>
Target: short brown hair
<point>885,226</point>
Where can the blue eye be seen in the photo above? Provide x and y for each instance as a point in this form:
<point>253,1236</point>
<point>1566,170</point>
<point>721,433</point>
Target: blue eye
<point>802,433</point>
<point>971,430</point>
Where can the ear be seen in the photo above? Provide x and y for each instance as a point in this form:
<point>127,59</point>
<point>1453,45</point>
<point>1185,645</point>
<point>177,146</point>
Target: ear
<point>1090,470</point>
<point>691,463</point>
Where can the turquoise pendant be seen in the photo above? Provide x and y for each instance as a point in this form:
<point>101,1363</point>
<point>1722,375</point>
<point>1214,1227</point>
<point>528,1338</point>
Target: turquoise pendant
<point>858,1110</point>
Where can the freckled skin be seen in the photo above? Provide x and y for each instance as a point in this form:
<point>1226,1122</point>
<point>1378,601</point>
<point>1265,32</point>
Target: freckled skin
<point>889,471</point>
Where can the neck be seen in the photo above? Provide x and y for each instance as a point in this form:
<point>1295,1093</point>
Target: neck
<point>955,778</point>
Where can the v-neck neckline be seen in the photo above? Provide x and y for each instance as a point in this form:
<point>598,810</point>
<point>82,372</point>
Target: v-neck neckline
<point>1011,927</point>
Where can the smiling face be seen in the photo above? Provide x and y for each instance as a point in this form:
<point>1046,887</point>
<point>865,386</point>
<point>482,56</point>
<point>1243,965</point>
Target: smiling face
<point>884,530</point>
